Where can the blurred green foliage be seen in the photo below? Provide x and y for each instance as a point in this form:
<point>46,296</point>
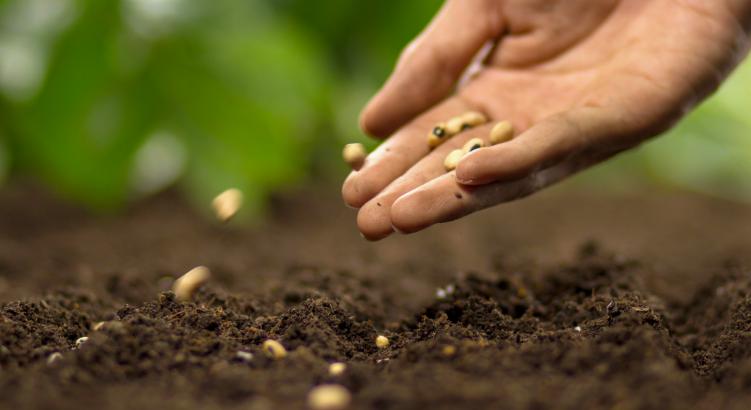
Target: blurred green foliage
<point>108,100</point>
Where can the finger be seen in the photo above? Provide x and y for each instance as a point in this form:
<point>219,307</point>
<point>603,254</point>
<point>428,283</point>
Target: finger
<point>431,65</point>
<point>374,218</point>
<point>543,145</point>
<point>443,199</point>
<point>397,154</point>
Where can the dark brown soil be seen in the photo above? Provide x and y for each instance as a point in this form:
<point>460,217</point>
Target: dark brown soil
<point>565,300</point>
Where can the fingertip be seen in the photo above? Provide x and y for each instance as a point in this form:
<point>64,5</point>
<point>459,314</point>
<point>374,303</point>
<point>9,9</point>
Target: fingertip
<point>374,221</point>
<point>404,214</point>
<point>371,120</point>
<point>471,169</point>
<point>355,192</point>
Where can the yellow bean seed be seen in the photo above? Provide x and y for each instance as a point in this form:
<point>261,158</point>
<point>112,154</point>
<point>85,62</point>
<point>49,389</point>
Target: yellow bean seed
<point>474,118</point>
<point>80,341</point>
<point>227,204</point>
<point>473,144</point>
<point>452,159</point>
<point>438,135</point>
<point>329,397</point>
<point>501,132</point>
<point>337,369</point>
<point>53,358</point>
<point>354,155</point>
<point>382,342</point>
<point>454,126</point>
<point>274,349</point>
<point>448,350</point>
<point>187,285</point>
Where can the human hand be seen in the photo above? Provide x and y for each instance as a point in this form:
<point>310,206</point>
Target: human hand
<point>580,80</point>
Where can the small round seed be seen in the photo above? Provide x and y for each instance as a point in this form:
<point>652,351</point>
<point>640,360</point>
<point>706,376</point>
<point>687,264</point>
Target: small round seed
<point>54,357</point>
<point>80,341</point>
<point>455,125</point>
<point>337,369</point>
<point>474,118</point>
<point>473,144</point>
<point>227,204</point>
<point>188,284</point>
<point>274,349</point>
<point>382,342</point>
<point>452,159</point>
<point>354,155</point>
<point>501,132</point>
<point>329,397</point>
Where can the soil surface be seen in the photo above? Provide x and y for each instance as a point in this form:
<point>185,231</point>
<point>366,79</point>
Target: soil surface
<point>564,300</point>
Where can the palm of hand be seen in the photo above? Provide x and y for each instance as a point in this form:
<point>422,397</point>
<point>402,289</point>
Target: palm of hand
<point>579,86</point>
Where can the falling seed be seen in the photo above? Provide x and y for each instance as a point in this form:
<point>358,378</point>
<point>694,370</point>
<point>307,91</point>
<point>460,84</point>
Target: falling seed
<point>274,349</point>
<point>54,357</point>
<point>382,342</point>
<point>578,328</point>
<point>501,132</point>
<point>227,204</point>
<point>354,155</point>
<point>474,118</point>
<point>329,397</point>
<point>452,159</point>
<point>244,356</point>
<point>448,350</point>
<point>440,293</point>
<point>187,285</point>
<point>337,369</point>
<point>98,326</point>
<point>473,144</point>
<point>80,341</point>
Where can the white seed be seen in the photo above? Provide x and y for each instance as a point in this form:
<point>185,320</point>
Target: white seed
<point>227,204</point>
<point>473,144</point>
<point>354,155</point>
<point>474,118</point>
<point>98,326</point>
<point>80,341</point>
<point>337,368</point>
<point>244,356</point>
<point>54,357</point>
<point>454,126</point>
<point>329,397</point>
<point>452,159</point>
<point>578,328</point>
<point>188,284</point>
<point>382,341</point>
<point>501,132</point>
<point>274,349</point>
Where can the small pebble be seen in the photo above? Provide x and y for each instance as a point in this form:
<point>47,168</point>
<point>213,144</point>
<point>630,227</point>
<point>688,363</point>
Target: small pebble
<point>329,397</point>
<point>54,357</point>
<point>382,342</point>
<point>274,349</point>
<point>337,368</point>
<point>354,155</point>
<point>80,341</point>
<point>244,356</point>
<point>452,160</point>
<point>501,132</point>
<point>188,284</point>
<point>227,204</point>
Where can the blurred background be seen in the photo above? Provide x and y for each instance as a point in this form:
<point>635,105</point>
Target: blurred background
<point>108,101</point>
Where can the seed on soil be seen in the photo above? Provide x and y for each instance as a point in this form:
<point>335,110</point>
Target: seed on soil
<point>354,155</point>
<point>244,356</point>
<point>98,326</point>
<point>578,328</point>
<point>329,397</point>
<point>227,204</point>
<point>501,132</point>
<point>187,285</point>
<point>452,159</point>
<point>473,144</point>
<point>448,350</point>
<point>274,349</point>
<point>337,368</point>
<point>54,357</point>
<point>382,342</point>
<point>80,341</point>
<point>474,118</point>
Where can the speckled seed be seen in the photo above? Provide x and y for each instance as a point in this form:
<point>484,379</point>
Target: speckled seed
<point>329,397</point>
<point>274,349</point>
<point>474,118</point>
<point>187,285</point>
<point>438,135</point>
<point>382,341</point>
<point>455,125</point>
<point>54,357</point>
<point>354,155</point>
<point>473,144</point>
<point>81,341</point>
<point>452,159</point>
<point>448,350</point>
<point>337,369</point>
<point>227,204</point>
<point>501,132</point>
